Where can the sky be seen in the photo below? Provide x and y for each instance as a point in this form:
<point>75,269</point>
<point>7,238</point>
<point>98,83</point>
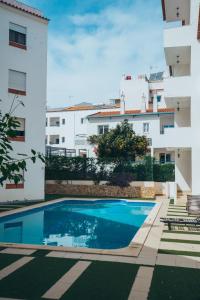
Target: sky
<point>92,43</point>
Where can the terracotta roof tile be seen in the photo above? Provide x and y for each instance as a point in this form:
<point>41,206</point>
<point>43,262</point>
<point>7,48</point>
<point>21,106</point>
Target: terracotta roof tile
<point>25,8</point>
<point>132,112</point>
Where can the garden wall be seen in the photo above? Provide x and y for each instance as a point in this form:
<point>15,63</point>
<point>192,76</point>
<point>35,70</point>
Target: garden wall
<point>57,187</point>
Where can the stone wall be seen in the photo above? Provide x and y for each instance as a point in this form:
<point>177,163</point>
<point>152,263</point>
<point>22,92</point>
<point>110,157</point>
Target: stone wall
<point>100,190</point>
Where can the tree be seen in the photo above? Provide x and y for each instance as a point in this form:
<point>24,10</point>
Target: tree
<point>11,168</point>
<point>120,143</point>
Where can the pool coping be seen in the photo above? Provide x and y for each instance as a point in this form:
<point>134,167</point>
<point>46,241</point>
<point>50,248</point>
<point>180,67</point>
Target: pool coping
<point>132,250</point>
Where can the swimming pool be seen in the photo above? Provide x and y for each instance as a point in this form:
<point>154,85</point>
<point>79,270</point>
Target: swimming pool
<point>100,224</point>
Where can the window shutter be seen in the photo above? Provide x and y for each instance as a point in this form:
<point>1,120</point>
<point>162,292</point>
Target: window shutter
<point>17,28</point>
<point>17,80</point>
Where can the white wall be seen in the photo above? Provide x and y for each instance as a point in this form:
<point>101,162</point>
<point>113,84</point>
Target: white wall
<point>33,61</point>
<point>134,90</point>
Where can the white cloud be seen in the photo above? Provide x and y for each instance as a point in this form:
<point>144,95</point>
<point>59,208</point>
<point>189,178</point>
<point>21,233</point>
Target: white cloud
<point>88,62</point>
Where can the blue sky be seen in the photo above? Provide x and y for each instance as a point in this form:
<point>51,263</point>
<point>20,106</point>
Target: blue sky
<point>93,43</point>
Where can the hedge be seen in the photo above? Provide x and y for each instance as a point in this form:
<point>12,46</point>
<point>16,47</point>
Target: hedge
<point>78,168</point>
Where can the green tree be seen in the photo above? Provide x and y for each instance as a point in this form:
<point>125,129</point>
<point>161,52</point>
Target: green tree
<point>120,143</point>
<point>11,168</point>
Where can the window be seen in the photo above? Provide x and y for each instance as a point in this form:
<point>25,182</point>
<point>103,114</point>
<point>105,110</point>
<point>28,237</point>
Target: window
<point>159,98</point>
<point>63,139</point>
<point>82,120</point>
<point>168,157</point>
<point>149,142</point>
<point>17,36</point>
<point>63,121</point>
<point>46,139</point>
<point>162,158</point>
<point>54,139</point>
<point>55,122</point>
<point>165,158</point>
<point>46,122</point>
<point>103,129</point>
<point>17,82</point>
<point>146,127</point>
<point>19,131</point>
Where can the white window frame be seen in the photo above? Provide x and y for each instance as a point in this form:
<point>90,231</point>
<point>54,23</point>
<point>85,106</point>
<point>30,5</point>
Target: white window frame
<point>146,127</point>
<point>103,127</point>
<point>15,82</point>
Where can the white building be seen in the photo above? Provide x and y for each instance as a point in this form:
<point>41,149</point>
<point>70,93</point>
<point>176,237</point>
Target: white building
<point>182,88</point>
<point>142,104</point>
<point>67,127</point>
<point>23,65</point>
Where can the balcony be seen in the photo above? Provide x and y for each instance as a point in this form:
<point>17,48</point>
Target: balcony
<point>177,87</point>
<point>176,10</point>
<point>177,37</point>
<point>174,138</point>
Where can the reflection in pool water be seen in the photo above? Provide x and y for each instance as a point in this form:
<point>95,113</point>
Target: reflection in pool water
<point>102,224</point>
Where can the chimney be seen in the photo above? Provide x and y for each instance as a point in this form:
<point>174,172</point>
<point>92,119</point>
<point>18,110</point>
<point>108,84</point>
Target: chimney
<point>143,108</point>
<point>155,103</point>
<point>122,103</point>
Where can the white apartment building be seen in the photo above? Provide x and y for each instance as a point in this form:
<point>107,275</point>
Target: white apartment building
<point>142,103</point>
<point>23,68</point>
<point>67,127</point>
<point>182,89</point>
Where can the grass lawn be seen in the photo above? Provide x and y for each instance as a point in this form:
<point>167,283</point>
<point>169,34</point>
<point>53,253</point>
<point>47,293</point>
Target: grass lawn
<point>7,259</point>
<point>100,281</point>
<point>103,281</point>
<point>175,284</point>
<point>35,278</point>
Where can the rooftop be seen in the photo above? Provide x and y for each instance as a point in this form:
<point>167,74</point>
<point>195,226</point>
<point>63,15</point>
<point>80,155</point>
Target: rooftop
<point>24,8</point>
<point>84,106</point>
<point>131,112</point>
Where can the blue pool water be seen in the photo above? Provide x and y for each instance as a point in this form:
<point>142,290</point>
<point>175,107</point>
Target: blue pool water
<point>104,224</point>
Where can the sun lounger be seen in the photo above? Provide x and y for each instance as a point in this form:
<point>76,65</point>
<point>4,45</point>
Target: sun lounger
<point>193,204</point>
<point>180,221</point>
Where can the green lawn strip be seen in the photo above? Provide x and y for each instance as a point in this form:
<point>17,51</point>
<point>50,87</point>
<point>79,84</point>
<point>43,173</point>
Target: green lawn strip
<point>40,253</point>
<point>182,232</point>
<point>175,284</point>
<point>35,278</point>
<point>176,252</point>
<point>180,241</point>
<point>7,259</point>
<point>103,280</point>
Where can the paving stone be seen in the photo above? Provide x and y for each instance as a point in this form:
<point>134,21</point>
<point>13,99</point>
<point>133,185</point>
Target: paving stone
<point>166,260</point>
<point>65,282</point>
<point>141,285</point>
<point>18,251</point>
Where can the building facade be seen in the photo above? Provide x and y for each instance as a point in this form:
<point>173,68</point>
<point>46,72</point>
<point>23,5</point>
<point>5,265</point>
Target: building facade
<point>142,103</point>
<point>67,128</point>
<point>23,61</point>
<point>182,88</point>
